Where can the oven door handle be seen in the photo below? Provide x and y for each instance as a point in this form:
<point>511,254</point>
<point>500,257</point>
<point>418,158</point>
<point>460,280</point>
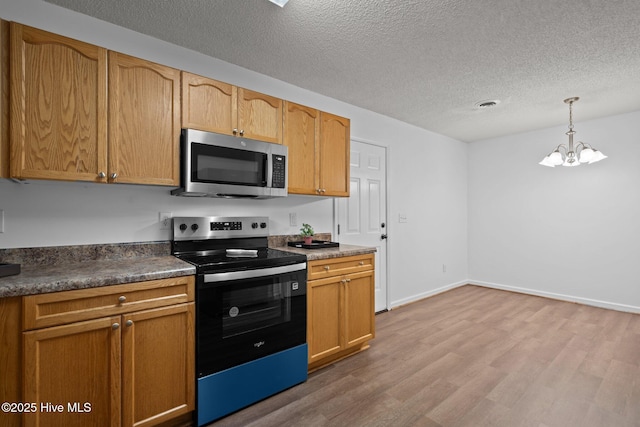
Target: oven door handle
<point>249,274</point>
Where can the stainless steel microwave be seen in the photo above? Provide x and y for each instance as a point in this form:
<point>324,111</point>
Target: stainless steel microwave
<point>216,165</point>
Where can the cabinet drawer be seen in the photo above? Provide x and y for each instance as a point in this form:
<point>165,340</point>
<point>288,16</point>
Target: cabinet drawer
<point>71,306</point>
<point>338,266</point>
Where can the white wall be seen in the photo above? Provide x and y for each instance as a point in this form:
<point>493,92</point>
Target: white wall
<point>427,175</point>
<point>570,233</point>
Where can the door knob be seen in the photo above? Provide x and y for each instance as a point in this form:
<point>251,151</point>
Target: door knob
<point>382,237</point>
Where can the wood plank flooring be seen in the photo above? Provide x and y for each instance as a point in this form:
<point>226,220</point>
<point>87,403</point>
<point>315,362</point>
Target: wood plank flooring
<point>475,357</point>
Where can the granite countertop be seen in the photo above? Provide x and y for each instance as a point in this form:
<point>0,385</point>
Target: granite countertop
<point>43,270</point>
<point>326,253</point>
<point>63,268</point>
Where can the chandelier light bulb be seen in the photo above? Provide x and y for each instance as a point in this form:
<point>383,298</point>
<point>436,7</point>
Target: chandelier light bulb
<point>586,155</point>
<point>597,156</point>
<point>556,158</point>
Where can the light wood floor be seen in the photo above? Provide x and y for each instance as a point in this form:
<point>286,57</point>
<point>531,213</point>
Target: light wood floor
<point>475,357</point>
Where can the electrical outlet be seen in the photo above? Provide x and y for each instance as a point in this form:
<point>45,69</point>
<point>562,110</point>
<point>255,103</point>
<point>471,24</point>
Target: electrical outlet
<point>293,219</point>
<point>165,220</point>
<point>444,268</point>
<point>1,221</point>
<point>402,218</point>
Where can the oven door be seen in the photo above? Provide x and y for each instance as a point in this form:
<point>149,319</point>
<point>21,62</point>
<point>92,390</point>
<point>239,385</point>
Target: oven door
<point>246,315</point>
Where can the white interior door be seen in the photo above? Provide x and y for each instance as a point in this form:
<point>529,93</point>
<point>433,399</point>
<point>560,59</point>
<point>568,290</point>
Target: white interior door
<point>362,217</point>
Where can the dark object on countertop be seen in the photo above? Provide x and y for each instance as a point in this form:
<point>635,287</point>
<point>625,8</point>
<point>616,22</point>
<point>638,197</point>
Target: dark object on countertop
<point>315,244</point>
<point>9,269</point>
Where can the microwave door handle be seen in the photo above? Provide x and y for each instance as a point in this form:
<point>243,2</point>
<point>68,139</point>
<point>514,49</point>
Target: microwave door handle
<point>250,274</point>
<point>268,170</point>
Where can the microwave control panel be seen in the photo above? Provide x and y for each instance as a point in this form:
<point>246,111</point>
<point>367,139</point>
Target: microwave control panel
<point>279,171</point>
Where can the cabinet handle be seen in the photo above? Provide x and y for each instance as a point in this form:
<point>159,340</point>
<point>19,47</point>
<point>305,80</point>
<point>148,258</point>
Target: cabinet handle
<point>102,175</point>
<point>115,326</point>
<point>326,268</point>
<point>114,175</point>
<point>122,299</point>
<point>129,323</point>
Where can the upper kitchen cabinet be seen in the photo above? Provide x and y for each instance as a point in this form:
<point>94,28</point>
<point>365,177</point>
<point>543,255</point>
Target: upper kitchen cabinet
<point>4,99</point>
<point>144,121</point>
<point>259,116</point>
<point>334,145</point>
<point>58,107</point>
<point>214,106</point>
<point>301,133</point>
<point>318,151</point>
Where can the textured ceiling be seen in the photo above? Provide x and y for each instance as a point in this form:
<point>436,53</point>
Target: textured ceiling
<point>425,62</point>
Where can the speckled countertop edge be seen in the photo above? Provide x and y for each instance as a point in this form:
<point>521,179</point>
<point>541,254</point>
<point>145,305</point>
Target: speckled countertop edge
<point>91,274</point>
<point>63,268</point>
<point>327,253</point>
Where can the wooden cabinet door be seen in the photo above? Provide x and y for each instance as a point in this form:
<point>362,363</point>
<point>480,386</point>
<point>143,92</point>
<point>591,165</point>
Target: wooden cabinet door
<point>144,121</point>
<point>11,358</point>
<point>259,116</point>
<point>325,319</point>
<point>359,308</point>
<point>4,99</point>
<point>73,364</point>
<point>301,127</point>
<point>158,365</point>
<point>208,105</point>
<point>334,155</point>
<point>58,107</point>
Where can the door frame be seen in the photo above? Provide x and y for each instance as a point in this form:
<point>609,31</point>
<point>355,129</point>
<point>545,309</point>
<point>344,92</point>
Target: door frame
<point>387,150</point>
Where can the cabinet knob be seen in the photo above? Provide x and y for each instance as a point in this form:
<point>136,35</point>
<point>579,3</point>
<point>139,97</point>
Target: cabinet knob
<point>235,130</point>
<point>129,323</point>
<point>343,281</point>
<point>115,326</point>
<point>347,280</point>
<point>122,299</point>
<point>114,175</point>
<point>361,263</point>
<point>102,175</point>
<point>241,132</point>
<point>326,268</point>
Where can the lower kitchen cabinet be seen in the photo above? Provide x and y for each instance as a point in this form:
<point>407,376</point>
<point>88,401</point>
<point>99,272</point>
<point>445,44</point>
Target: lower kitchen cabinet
<point>340,308</point>
<point>73,364</point>
<point>132,365</point>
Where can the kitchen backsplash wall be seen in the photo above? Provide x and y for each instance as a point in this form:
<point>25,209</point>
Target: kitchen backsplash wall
<point>47,213</point>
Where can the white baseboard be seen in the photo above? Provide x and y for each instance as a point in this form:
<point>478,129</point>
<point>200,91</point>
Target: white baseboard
<point>414,298</point>
<point>569,298</point>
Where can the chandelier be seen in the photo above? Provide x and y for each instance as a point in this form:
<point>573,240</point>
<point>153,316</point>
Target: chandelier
<point>572,155</point>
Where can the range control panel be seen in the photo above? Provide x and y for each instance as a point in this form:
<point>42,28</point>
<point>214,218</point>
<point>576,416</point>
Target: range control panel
<point>216,227</point>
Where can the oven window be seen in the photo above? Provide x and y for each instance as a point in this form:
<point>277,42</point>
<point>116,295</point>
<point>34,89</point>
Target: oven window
<point>223,165</point>
<point>247,309</point>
